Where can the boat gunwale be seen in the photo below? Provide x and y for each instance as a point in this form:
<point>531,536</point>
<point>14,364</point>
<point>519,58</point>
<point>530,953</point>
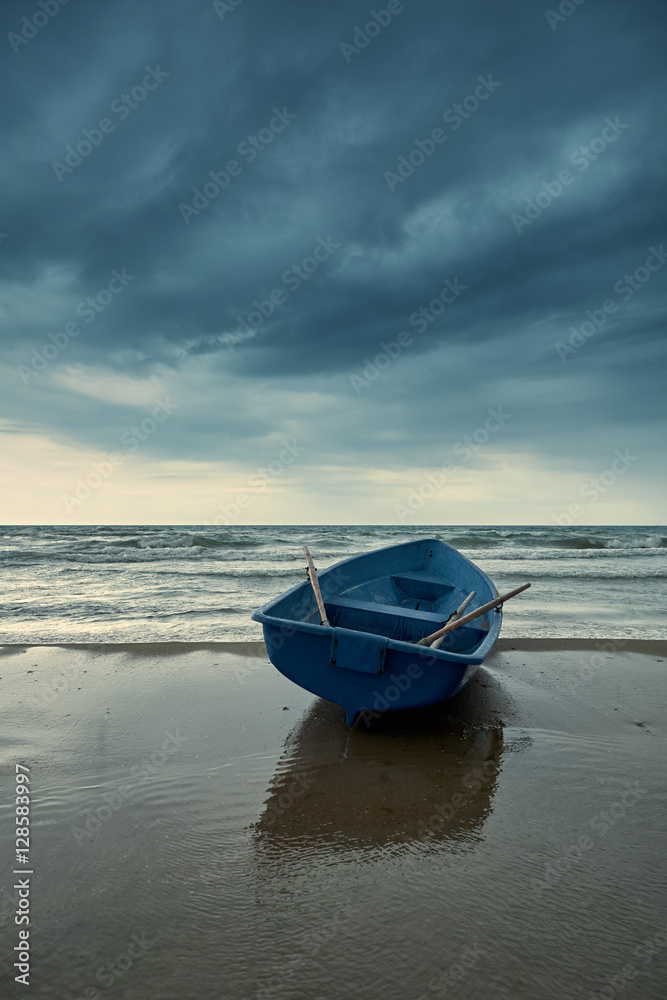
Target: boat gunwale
<point>399,645</point>
<point>264,616</point>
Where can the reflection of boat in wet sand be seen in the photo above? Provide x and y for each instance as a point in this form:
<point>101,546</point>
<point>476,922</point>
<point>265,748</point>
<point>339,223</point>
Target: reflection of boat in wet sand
<point>423,776</point>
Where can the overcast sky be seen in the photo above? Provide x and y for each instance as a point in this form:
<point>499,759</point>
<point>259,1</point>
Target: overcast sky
<point>479,187</point>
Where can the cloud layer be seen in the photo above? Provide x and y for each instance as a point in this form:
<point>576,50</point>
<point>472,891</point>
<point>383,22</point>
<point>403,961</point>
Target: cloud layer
<point>356,230</point>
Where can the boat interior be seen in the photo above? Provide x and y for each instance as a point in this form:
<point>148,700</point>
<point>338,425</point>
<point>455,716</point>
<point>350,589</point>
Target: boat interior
<point>406,606</point>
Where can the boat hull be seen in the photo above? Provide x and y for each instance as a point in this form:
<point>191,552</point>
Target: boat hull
<point>378,605</point>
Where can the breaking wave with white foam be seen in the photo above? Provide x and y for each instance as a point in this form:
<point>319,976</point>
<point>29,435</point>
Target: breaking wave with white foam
<point>198,583</point>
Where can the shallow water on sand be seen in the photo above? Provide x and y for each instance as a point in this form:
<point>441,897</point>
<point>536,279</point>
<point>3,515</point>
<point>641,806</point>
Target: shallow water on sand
<point>203,828</point>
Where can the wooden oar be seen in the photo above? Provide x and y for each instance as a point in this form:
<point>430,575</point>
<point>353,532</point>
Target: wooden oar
<point>455,615</point>
<point>312,576</point>
<point>427,640</point>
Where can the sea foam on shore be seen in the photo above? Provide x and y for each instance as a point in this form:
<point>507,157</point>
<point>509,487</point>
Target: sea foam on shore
<point>202,582</point>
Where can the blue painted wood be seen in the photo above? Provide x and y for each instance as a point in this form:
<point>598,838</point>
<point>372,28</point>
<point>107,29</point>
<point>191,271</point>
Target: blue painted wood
<point>379,604</point>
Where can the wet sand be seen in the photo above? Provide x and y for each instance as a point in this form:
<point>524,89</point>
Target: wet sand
<point>203,828</point>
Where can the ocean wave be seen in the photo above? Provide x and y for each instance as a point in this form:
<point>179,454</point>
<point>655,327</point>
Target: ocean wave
<point>651,542</point>
<point>473,541</point>
<point>194,556</point>
<point>261,574</point>
<point>195,613</point>
<point>587,572</point>
<point>191,541</point>
<point>584,542</point>
<point>558,554</point>
<point>135,550</point>
<point>580,542</point>
<point>142,583</point>
<point>550,540</point>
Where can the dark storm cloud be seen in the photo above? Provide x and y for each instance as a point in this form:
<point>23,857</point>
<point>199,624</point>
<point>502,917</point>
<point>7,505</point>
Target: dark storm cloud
<point>331,173</point>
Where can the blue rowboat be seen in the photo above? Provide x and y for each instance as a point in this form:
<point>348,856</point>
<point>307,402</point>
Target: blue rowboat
<point>378,606</point>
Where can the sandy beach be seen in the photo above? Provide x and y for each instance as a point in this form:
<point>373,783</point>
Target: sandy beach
<point>203,828</point>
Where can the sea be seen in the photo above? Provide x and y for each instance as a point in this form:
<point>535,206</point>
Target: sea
<point>115,584</point>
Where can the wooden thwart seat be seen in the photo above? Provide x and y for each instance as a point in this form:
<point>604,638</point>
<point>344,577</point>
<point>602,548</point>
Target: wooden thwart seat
<point>386,610</point>
<point>394,621</point>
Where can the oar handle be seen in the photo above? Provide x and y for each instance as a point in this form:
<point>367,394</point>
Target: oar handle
<point>461,608</point>
<point>315,584</point>
<point>427,640</point>
<point>453,617</point>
